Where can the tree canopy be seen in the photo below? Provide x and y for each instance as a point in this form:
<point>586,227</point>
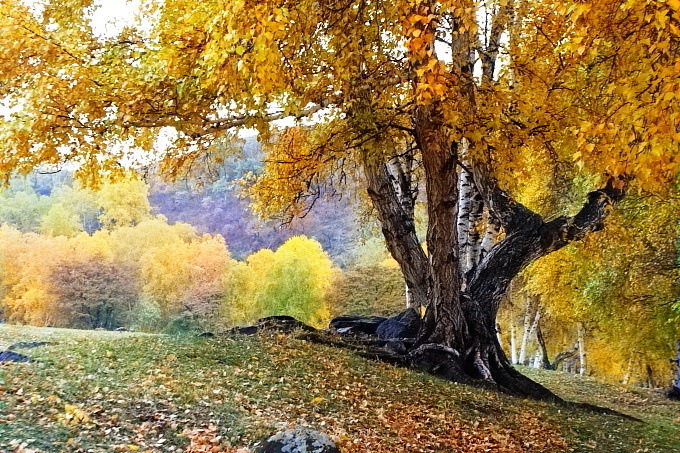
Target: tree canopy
<point>564,81</point>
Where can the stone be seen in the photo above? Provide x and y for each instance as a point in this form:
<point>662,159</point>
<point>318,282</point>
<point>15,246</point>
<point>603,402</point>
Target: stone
<point>396,346</point>
<point>273,323</point>
<point>298,440</point>
<point>9,356</point>
<point>283,324</point>
<point>348,324</point>
<point>248,330</point>
<point>404,325</point>
<point>27,344</point>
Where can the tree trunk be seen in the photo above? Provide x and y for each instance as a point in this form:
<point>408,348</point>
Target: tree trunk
<point>513,344</point>
<point>394,208</point>
<point>531,318</point>
<point>444,319</point>
<point>674,392</point>
<point>543,351</point>
<point>581,349</point>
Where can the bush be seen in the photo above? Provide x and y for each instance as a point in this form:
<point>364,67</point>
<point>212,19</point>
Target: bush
<point>371,290</point>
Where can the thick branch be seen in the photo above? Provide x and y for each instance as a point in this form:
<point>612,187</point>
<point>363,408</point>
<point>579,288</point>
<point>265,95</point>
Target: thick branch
<point>563,230</point>
<point>399,230</point>
<point>221,124</point>
<point>509,213</point>
<point>533,238</point>
<point>400,170</point>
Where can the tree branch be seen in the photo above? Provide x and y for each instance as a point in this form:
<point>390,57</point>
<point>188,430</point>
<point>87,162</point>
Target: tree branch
<point>499,24</point>
<point>220,124</point>
<point>534,238</point>
<point>563,230</point>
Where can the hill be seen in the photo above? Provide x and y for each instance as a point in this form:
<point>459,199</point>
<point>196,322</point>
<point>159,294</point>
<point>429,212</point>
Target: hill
<point>92,391</point>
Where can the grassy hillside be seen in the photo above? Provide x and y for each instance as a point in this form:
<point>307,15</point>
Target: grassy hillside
<point>123,392</point>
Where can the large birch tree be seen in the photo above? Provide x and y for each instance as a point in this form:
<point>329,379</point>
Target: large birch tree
<point>462,100</point>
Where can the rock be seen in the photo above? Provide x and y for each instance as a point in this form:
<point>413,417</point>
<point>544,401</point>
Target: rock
<point>275,323</point>
<point>9,356</point>
<point>349,324</point>
<point>283,324</point>
<point>396,346</point>
<point>404,325</point>
<point>298,440</point>
<point>27,344</point>
<point>248,330</point>
<point>206,335</point>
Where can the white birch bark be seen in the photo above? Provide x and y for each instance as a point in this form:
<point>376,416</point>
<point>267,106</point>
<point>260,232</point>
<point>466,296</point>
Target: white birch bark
<point>513,344</point>
<point>531,319</point>
<point>581,349</point>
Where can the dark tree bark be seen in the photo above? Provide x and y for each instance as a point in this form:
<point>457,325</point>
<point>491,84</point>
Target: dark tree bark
<point>674,391</point>
<point>391,194</point>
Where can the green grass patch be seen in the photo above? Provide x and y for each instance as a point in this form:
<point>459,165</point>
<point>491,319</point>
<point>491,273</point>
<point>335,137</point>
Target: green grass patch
<point>117,392</point>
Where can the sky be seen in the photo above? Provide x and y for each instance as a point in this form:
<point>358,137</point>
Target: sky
<point>111,16</point>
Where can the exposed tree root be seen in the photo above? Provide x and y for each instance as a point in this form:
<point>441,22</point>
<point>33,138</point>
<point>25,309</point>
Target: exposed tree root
<point>481,368</point>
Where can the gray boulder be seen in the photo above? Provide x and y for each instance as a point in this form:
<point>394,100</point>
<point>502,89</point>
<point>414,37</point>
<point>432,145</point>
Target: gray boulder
<point>9,356</point>
<point>349,324</point>
<point>285,324</point>
<point>298,440</point>
<point>404,325</point>
<point>27,344</point>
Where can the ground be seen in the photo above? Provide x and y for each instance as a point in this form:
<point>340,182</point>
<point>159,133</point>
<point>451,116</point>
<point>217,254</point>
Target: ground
<point>91,391</point>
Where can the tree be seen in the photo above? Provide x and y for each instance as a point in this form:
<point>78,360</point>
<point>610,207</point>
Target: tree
<point>474,98</point>
<point>184,277</point>
<point>298,282</point>
<point>93,294</point>
<point>294,280</point>
<point>59,221</point>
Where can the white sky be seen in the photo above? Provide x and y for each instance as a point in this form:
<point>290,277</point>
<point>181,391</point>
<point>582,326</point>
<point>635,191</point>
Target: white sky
<point>110,16</point>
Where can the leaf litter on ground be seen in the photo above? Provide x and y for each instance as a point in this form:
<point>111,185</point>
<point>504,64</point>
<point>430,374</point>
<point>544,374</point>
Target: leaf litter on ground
<point>90,391</point>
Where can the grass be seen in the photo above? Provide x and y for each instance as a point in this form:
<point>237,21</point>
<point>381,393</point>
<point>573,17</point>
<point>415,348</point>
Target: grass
<point>93,391</point>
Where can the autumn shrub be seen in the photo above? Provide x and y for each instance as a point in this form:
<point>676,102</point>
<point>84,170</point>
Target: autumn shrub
<point>369,290</point>
<point>146,316</point>
<point>93,294</point>
<point>96,280</point>
<point>184,278</point>
<point>294,280</point>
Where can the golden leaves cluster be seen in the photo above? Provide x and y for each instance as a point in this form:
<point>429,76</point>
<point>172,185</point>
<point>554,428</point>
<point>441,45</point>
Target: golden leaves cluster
<point>590,84</point>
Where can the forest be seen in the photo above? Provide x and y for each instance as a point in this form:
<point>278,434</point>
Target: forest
<point>508,170</point>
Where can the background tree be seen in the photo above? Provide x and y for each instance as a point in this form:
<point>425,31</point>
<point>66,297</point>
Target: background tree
<point>580,86</point>
<point>294,280</point>
<point>93,294</point>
